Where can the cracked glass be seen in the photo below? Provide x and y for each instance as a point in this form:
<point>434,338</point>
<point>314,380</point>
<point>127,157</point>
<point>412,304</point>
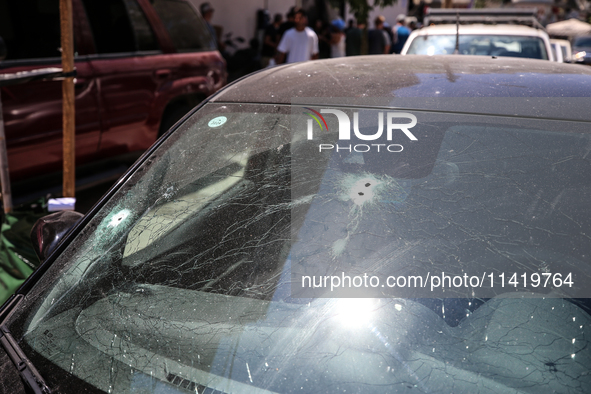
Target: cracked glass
<point>193,276</point>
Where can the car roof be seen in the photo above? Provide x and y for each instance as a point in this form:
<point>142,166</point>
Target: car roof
<point>481,28</point>
<point>417,81</point>
<point>561,42</point>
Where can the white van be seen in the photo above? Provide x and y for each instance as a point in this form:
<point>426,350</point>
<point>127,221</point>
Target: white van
<point>493,34</point>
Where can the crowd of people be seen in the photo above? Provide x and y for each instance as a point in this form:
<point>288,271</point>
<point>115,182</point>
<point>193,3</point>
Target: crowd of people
<point>292,40</point>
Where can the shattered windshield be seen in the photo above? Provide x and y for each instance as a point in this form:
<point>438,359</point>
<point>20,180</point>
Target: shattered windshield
<point>279,249</point>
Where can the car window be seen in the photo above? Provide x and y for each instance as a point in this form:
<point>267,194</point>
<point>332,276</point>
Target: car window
<point>556,51</point>
<point>186,28</point>
<point>582,42</point>
<point>215,266</point>
<point>30,28</point>
<point>564,51</point>
<point>486,45</point>
<point>119,26</point>
<point>144,35</point>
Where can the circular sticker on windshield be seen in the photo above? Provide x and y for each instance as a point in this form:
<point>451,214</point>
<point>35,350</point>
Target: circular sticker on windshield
<point>217,122</point>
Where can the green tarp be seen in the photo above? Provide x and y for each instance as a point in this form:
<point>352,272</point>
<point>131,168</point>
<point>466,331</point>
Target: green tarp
<point>17,257</point>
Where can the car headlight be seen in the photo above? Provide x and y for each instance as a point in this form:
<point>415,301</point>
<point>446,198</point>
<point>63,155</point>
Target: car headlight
<point>580,55</point>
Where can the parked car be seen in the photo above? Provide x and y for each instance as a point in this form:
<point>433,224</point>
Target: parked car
<point>140,66</point>
<point>582,49</point>
<point>369,224</point>
<point>562,50</point>
<point>478,32</point>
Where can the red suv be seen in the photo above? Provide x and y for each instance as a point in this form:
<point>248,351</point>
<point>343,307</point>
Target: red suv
<point>141,65</point>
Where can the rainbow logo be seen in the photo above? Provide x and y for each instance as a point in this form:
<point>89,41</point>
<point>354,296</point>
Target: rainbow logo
<point>315,116</point>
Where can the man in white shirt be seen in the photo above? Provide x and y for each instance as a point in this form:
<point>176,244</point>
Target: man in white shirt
<point>300,43</point>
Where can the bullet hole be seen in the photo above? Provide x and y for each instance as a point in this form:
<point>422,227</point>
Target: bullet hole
<point>362,189</point>
<point>551,366</point>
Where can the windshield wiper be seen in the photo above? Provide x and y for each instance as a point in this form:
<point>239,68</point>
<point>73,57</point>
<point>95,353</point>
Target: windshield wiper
<point>25,368</point>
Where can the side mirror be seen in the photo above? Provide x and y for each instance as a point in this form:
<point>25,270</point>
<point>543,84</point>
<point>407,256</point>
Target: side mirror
<point>49,231</point>
<point>2,49</point>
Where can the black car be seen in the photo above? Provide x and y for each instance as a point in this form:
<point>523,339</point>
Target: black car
<point>582,49</point>
<point>362,225</point>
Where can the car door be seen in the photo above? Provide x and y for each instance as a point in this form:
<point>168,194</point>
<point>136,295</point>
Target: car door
<point>33,111</point>
<point>126,68</point>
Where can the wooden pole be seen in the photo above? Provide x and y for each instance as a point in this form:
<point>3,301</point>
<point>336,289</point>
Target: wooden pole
<point>69,122</point>
<point>4,176</point>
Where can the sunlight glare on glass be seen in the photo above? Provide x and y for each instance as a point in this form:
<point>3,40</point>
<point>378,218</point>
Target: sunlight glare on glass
<point>355,312</point>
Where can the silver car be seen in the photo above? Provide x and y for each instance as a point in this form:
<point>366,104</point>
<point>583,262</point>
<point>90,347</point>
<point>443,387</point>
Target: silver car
<point>373,224</point>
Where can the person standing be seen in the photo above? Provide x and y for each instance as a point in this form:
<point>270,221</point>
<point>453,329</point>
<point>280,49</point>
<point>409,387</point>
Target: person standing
<point>289,23</point>
<point>300,43</point>
<point>271,40</point>
<point>337,38</point>
<point>322,31</point>
<point>350,25</point>
<point>400,34</point>
<point>207,14</point>
<point>353,40</point>
<point>378,39</point>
